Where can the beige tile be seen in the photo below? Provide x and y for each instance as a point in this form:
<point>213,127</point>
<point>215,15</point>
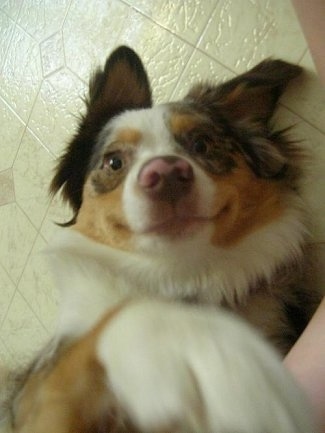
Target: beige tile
<point>187,19</point>
<point>17,236</point>
<point>7,192</point>
<point>6,361</point>
<point>200,68</point>
<point>37,287</point>
<point>243,32</point>
<point>21,73</point>
<point>85,48</point>
<point>32,173</point>
<point>22,333</point>
<point>42,18</point>
<point>306,96</point>
<point>11,7</point>
<point>7,289</point>
<point>52,54</point>
<point>55,114</point>
<point>6,30</point>
<point>11,132</point>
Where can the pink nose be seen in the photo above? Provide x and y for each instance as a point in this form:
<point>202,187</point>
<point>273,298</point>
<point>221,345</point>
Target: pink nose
<point>166,178</point>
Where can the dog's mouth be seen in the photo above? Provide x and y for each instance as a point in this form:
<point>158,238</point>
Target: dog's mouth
<point>177,226</point>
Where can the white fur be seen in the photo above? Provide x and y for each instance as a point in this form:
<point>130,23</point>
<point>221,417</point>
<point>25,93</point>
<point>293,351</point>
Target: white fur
<point>199,369</point>
<point>93,277</point>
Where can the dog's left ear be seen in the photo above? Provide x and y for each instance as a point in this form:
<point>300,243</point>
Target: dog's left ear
<point>245,105</point>
<point>122,85</point>
<point>252,95</point>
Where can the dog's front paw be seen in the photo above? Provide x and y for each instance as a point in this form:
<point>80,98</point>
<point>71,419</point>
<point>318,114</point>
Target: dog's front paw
<point>183,369</point>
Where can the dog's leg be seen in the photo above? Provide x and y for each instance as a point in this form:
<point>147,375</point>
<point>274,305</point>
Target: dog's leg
<point>72,396</point>
<point>154,367</point>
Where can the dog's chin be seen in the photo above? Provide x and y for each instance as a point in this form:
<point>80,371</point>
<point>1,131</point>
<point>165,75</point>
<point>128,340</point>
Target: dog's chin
<point>176,227</point>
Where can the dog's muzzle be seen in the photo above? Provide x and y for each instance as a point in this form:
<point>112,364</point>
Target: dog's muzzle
<point>166,178</point>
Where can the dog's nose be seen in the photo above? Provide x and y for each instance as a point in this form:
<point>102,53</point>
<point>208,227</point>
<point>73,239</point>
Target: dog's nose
<point>166,178</point>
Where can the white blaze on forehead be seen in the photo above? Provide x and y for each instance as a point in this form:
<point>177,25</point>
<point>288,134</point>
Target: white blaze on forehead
<point>152,123</point>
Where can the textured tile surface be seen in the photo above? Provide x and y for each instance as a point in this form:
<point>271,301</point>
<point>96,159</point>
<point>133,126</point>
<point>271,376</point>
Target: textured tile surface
<point>7,190</point>
<point>186,19</point>
<point>262,26</point>
<point>47,51</point>
<point>11,132</point>
<point>31,170</point>
<point>56,109</point>
<point>22,333</point>
<point>21,73</point>
<point>17,236</point>
<point>36,286</point>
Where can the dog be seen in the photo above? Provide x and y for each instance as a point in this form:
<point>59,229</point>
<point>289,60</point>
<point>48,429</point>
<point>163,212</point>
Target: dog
<point>184,263</point>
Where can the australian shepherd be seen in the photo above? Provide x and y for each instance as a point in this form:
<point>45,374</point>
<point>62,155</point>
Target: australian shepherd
<point>188,232</point>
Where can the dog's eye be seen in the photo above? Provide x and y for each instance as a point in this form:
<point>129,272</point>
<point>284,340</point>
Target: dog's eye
<point>200,147</point>
<point>113,161</point>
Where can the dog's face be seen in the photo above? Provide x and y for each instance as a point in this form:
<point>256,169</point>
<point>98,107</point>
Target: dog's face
<point>207,167</point>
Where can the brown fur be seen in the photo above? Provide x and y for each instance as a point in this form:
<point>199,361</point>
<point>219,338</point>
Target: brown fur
<point>77,382</point>
<point>248,204</point>
<point>101,218</point>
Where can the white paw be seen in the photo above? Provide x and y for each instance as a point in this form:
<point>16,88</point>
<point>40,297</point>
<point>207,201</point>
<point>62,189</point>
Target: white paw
<point>195,370</point>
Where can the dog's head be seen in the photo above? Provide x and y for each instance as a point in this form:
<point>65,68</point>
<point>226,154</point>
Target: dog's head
<point>209,165</point>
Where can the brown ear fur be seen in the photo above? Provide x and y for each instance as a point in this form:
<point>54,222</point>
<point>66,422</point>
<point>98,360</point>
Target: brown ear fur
<point>252,95</point>
<point>122,84</point>
<point>244,107</point>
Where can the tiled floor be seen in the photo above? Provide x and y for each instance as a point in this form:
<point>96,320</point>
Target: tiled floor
<point>47,49</point>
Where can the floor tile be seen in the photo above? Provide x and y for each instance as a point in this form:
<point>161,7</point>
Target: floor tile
<point>6,30</point>
<point>17,236</point>
<point>7,190</point>
<point>21,73</point>
<point>52,54</point>
<point>57,108</point>
<point>11,132</point>
<point>5,358</point>
<point>240,37</point>
<point>7,289</point>
<point>32,173</point>
<point>22,333</point>
<point>37,287</point>
<point>185,19</point>
<point>43,18</point>
<point>11,7</point>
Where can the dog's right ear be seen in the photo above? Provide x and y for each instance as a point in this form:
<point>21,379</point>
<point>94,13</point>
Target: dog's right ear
<point>122,85</point>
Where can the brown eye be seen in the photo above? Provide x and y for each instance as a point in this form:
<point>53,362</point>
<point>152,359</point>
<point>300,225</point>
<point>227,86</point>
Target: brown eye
<point>113,161</point>
<point>200,147</point>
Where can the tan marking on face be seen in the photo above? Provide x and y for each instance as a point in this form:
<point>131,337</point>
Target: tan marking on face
<point>129,135</point>
<point>181,123</point>
<point>72,396</point>
<point>244,203</point>
<point>102,219</point>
